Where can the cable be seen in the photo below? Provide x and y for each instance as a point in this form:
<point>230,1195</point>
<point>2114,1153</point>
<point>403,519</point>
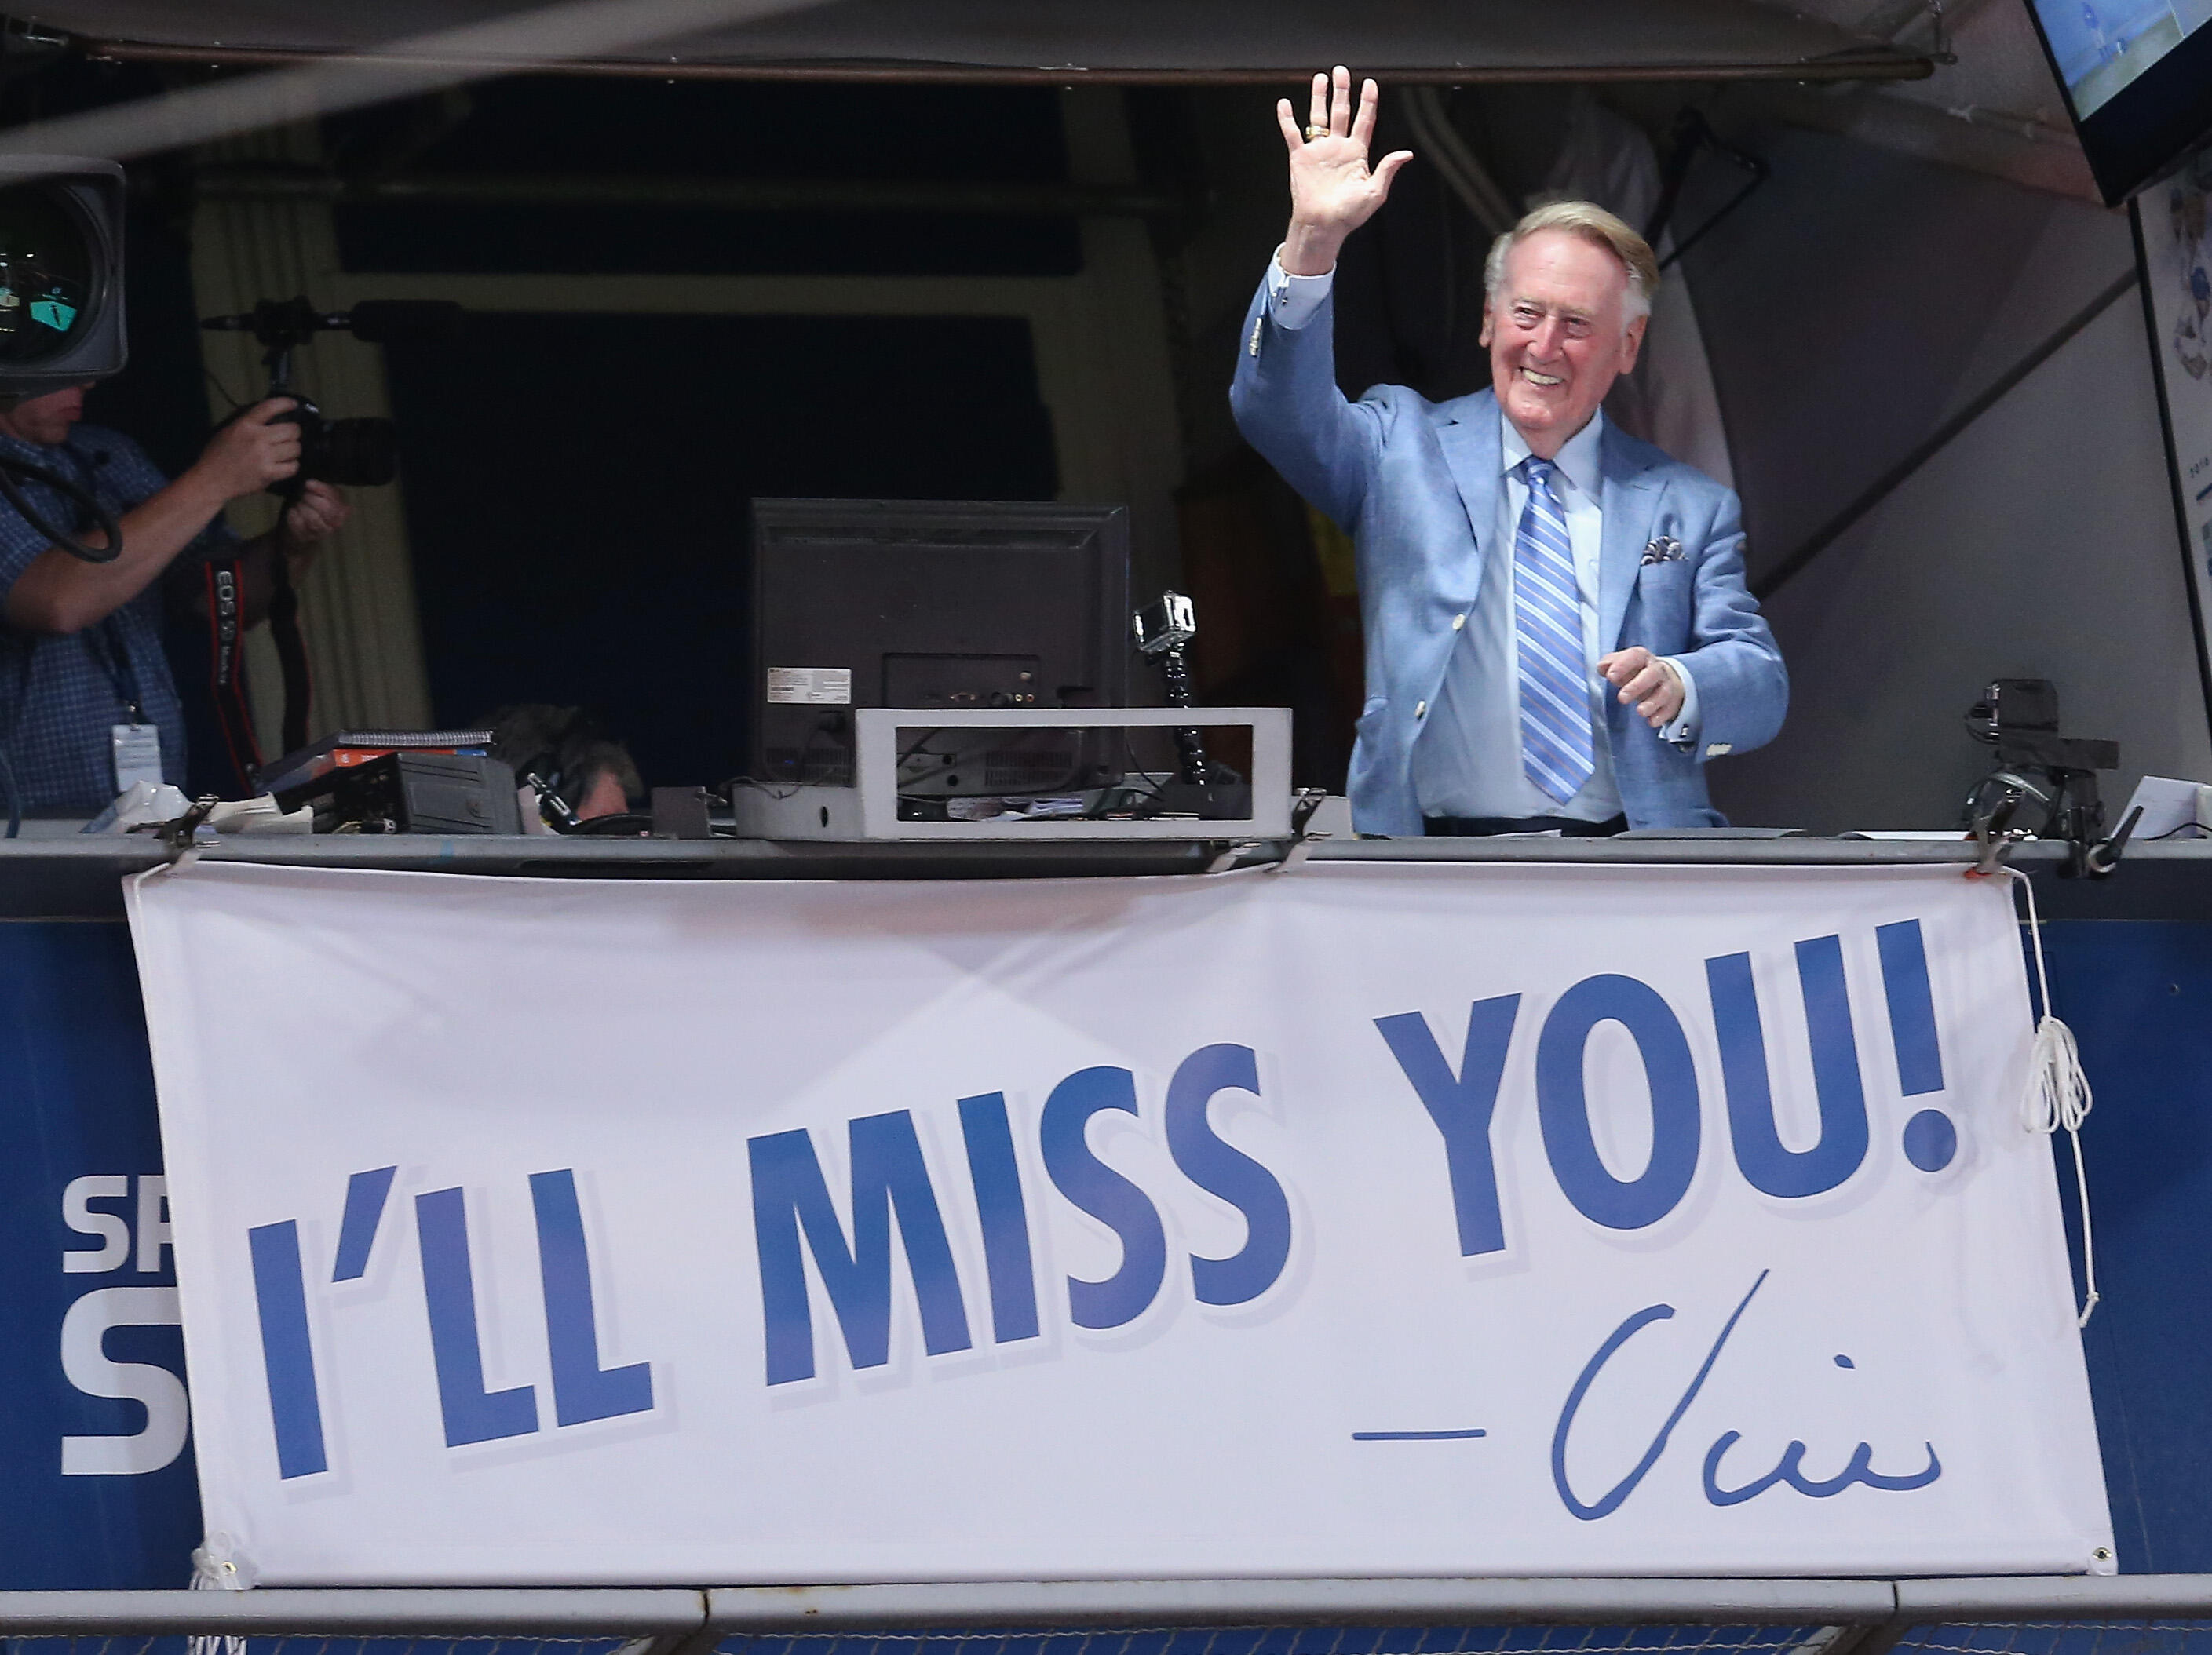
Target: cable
<point>13,470</point>
<point>754,782</point>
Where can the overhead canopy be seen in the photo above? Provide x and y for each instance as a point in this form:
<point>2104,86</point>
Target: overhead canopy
<point>1055,40</point>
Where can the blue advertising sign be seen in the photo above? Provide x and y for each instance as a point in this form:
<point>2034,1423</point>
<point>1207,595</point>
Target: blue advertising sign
<point>97,1487</point>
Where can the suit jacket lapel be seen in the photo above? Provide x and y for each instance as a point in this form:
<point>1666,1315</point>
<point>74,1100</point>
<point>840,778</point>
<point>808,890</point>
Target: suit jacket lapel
<point>1630,500</point>
<point>1474,452</point>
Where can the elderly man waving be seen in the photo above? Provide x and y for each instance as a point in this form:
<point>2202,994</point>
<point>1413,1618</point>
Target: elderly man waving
<point>1558,634</point>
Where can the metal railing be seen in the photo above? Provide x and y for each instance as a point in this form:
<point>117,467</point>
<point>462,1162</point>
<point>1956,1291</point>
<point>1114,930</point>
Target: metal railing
<point>2127,1614</point>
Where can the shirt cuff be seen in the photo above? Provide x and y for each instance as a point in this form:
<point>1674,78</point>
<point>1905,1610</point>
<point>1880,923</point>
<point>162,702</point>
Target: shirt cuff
<point>1683,732</point>
<point>1293,300</point>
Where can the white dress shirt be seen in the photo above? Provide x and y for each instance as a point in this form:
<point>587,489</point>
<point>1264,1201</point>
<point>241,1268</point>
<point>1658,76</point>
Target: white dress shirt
<point>1467,758</point>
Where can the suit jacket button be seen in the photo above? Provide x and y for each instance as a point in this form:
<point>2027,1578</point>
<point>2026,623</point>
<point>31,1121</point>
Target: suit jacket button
<point>1422,711</point>
<point>1458,622</point>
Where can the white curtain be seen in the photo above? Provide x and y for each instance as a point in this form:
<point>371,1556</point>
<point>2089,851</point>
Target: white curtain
<point>357,602</point>
<point>1669,399</point>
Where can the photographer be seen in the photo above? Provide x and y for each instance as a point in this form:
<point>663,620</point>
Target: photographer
<point>87,701</point>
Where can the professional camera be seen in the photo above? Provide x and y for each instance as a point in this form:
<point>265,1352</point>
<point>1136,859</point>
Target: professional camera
<point>61,273</point>
<point>61,312</point>
<point>351,451</point>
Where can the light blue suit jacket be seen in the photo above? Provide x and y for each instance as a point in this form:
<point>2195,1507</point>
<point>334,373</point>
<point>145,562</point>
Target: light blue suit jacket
<point>1416,485</point>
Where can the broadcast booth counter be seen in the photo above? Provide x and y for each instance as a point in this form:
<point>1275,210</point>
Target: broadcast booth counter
<point>1016,1164</point>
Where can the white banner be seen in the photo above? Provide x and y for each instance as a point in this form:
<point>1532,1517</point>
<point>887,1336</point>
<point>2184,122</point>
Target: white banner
<point>1363,1220</point>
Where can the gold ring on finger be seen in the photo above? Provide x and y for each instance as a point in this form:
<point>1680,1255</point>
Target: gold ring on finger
<point>1313,132</point>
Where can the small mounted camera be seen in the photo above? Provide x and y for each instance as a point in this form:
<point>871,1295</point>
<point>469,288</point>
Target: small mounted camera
<point>2043,783</point>
<point>1169,622</point>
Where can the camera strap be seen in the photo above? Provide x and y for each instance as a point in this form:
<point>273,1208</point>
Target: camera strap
<point>226,669</point>
<point>291,649</point>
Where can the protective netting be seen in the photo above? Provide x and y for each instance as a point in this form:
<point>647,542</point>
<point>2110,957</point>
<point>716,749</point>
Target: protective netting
<point>1301,1641</point>
<point>1990,1638</point>
<point>2063,1638</point>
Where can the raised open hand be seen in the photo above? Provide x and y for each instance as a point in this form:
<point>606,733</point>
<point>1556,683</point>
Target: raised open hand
<point>1333,191</point>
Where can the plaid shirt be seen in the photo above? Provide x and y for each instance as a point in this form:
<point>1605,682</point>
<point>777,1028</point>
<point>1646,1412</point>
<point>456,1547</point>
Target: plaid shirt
<point>61,693</point>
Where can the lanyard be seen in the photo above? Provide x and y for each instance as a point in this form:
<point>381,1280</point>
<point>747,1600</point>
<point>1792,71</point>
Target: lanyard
<point>112,649</point>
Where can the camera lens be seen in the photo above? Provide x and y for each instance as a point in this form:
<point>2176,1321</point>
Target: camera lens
<point>359,453</point>
<point>45,275</point>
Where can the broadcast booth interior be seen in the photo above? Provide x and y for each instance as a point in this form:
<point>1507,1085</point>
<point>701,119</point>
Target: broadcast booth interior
<point>959,821</point>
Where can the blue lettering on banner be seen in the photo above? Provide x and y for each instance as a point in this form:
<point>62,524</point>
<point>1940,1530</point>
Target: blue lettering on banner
<point>364,1212</point>
<point>1460,1106</point>
<point>1765,1162</point>
<point>1091,1184</point>
<point>471,1413</point>
<point>790,1195</point>
<point>997,1176</point>
<point>792,1217</point>
<point>582,1390</point>
<point>1563,1109</point>
<point>287,1358</point>
<point>1221,1169</point>
<point>795,1220</point>
<point>1912,1007</point>
<point>1930,1140</point>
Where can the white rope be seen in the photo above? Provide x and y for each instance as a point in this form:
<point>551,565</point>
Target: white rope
<point>216,1567</point>
<point>2057,1094</point>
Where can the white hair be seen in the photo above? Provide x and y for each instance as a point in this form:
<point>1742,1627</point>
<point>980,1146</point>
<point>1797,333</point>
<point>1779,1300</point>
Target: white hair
<point>1592,223</point>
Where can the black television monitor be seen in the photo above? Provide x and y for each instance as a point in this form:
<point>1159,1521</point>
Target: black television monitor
<point>2137,76</point>
<point>936,603</point>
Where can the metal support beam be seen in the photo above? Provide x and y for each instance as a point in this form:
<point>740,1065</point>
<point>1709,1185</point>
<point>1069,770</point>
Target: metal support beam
<point>2057,1598</point>
<point>1872,63</point>
<point>641,1612</point>
<point>253,183</point>
<point>1853,1617</point>
<point>1299,1602</point>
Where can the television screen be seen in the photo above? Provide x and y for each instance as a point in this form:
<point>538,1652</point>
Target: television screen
<point>2138,79</point>
<point>961,604</point>
<point>2174,238</point>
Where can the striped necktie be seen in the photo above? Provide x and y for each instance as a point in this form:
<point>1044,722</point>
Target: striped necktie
<point>1556,749</point>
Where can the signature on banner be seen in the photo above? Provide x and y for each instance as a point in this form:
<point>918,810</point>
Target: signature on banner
<point>1789,1471</point>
